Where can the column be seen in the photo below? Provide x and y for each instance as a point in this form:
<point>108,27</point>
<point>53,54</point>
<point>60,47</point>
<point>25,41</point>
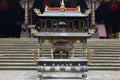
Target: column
<point>93,13</point>
<point>26,11</point>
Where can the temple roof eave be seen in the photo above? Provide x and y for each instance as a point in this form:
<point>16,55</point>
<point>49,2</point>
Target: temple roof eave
<point>62,14</point>
<point>61,34</point>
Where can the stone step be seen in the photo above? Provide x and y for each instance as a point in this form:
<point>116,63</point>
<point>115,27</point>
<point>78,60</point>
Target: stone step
<point>106,58</point>
<point>16,64</point>
<point>76,51</point>
<point>103,58</point>
<point>103,42</point>
<point>106,61</point>
<point>18,49</point>
<point>102,52</point>
<point>94,55</point>
<point>99,45</point>
<point>107,47</point>
<point>76,47</point>
<point>76,44</point>
<point>46,51</point>
<point>80,46</point>
<point>16,52</point>
<point>106,50</point>
<point>17,43</point>
<point>18,67</point>
<point>100,55</point>
<point>104,68</point>
<point>18,39</point>
<point>23,42</point>
<point>15,58</point>
<point>34,39</point>
<point>104,65</point>
<point>98,49</point>
<point>98,52</point>
<point>106,55</point>
<point>16,55</point>
<point>17,61</point>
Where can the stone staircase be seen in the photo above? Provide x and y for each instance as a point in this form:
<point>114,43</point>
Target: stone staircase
<point>15,54</point>
<point>106,56</point>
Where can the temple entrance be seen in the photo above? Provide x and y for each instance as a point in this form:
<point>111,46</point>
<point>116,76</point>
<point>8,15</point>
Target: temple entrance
<point>108,14</point>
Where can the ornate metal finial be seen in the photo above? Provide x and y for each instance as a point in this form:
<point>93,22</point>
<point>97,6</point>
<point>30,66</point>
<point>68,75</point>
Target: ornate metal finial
<point>88,11</point>
<point>37,11</point>
<point>78,9</point>
<point>62,4</point>
<point>46,8</point>
<point>62,8</point>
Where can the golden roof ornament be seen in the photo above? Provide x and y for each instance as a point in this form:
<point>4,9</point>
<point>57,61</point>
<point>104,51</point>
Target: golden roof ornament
<point>87,11</point>
<point>62,8</point>
<point>37,11</point>
<point>46,8</point>
<point>78,9</point>
<point>63,3</point>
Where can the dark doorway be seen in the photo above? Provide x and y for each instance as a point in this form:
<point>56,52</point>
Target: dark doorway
<point>108,13</point>
<point>11,17</point>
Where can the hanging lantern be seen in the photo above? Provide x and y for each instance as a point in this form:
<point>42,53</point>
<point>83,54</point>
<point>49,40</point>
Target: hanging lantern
<point>114,6</point>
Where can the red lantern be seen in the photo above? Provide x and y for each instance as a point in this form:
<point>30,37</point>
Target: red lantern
<point>114,6</point>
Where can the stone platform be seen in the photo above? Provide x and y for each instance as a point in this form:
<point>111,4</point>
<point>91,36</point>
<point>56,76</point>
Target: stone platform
<point>32,75</point>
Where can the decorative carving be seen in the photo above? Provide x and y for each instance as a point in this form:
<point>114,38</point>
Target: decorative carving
<point>47,68</point>
<point>37,11</point>
<point>68,69</point>
<point>88,11</point>
<point>57,69</point>
<point>89,54</point>
<point>77,69</point>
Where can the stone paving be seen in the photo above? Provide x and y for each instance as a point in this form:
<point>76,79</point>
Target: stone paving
<point>32,75</point>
